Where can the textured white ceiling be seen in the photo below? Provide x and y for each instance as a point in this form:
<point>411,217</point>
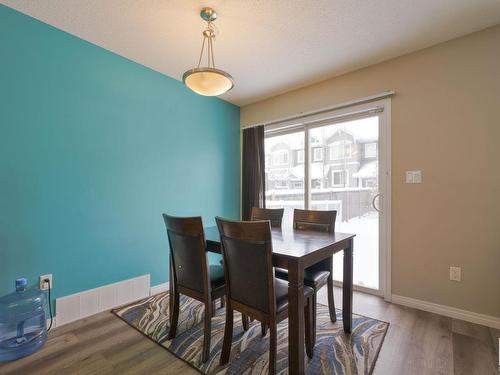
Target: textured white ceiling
<point>269,46</point>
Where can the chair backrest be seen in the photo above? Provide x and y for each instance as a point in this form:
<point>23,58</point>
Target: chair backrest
<point>188,257</point>
<point>274,215</point>
<point>321,221</point>
<point>248,265</point>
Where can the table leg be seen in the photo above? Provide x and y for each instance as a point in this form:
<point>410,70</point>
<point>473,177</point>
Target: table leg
<point>347,289</point>
<point>295,319</point>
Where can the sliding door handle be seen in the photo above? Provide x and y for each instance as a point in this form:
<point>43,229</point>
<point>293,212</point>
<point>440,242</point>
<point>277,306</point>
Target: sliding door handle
<point>373,202</point>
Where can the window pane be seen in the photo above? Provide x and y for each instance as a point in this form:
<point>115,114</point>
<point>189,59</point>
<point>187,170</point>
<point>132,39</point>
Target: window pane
<point>300,156</point>
<point>285,173</point>
<point>370,150</point>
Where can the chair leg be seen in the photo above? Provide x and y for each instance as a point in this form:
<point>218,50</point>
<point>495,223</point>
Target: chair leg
<point>214,308</point>
<point>331,302</point>
<point>244,320</point>
<point>222,302</point>
<point>308,313</point>
<point>272,348</point>
<point>263,328</point>
<point>174,315</point>
<point>228,336</point>
<point>207,331</point>
<point>314,312</point>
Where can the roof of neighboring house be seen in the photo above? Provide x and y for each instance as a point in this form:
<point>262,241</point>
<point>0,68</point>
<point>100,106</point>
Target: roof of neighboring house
<point>368,169</point>
<point>317,171</point>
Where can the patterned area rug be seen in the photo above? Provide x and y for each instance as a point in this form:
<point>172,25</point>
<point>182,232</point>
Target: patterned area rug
<point>334,353</point>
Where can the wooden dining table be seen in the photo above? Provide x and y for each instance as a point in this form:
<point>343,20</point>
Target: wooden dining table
<point>295,250</point>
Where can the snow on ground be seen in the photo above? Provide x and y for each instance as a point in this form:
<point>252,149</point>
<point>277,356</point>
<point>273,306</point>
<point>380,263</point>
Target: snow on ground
<point>366,254</point>
<point>366,259</point>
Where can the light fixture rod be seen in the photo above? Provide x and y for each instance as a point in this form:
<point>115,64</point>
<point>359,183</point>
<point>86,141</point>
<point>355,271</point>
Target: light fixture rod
<point>201,53</point>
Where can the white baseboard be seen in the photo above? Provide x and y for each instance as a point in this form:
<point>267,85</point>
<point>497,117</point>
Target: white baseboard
<point>160,288</point>
<point>452,312</point>
<point>89,302</point>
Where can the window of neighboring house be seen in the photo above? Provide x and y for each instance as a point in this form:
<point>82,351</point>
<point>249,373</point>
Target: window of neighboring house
<point>300,156</point>
<point>297,185</point>
<point>371,150</point>
<point>369,182</point>
<point>280,157</point>
<point>316,184</point>
<point>340,150</point>
<point>280,184</point>
<point>318,154</point>
<point>267,160</point>
<point>339,178</point>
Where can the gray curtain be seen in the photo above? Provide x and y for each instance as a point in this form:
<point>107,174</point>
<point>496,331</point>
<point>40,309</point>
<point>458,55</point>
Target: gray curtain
<point>253,174</point>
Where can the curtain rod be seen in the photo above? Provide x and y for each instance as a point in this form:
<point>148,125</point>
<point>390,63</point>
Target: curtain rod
<point>350,103</point>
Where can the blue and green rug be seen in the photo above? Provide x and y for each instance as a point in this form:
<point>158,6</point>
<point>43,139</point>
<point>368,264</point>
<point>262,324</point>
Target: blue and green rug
<point>334,353</point>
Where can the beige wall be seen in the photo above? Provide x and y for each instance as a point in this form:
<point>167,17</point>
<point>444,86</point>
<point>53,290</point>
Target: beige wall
<point>446,122</point>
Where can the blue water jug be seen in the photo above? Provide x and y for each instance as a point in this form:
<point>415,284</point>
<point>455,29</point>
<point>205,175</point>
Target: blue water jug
<point>22,322</point>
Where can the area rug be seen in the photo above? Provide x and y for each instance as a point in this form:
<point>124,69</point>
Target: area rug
<point>334,352</point>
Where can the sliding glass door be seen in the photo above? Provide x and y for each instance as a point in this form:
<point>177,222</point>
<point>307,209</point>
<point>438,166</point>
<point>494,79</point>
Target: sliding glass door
<point>343,174</point>
<point>341,162</point>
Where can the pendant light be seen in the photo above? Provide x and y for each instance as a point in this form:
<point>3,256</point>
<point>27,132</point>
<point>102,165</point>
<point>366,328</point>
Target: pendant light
<point>207,80</point>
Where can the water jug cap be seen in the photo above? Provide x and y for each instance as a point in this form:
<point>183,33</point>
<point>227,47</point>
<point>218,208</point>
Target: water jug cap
<point>21,283</point>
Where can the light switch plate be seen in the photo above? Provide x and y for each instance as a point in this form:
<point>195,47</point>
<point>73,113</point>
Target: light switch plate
<point>455,273</point>
<point>413,177</point>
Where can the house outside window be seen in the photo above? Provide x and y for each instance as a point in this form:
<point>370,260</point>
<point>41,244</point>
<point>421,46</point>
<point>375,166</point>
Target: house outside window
<point>371,150</point>
<point>340,150</point>
<point>280,184</point>
<point>339,178</point>
<point>317,154</point>
<point>280,157</point>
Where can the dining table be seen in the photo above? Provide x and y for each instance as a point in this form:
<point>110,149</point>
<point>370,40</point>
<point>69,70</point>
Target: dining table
<point>295,250</point>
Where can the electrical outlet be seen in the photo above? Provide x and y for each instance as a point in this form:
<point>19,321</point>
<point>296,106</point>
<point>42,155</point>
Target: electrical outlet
<point>43,284</point>
<point>455,274</point>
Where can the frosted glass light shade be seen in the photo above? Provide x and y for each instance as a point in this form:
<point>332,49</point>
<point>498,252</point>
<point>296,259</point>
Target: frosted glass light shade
<point>208,81</point>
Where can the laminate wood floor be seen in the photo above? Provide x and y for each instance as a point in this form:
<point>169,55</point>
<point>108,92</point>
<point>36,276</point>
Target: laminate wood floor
<point>417,343</point>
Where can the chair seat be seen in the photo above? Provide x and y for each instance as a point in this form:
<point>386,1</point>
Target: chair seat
<point>281,292</point>
<point>314,279</point>
<point>216,276</point>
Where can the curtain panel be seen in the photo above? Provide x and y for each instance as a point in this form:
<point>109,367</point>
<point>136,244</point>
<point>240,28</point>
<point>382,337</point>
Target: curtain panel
<point>253,175</point>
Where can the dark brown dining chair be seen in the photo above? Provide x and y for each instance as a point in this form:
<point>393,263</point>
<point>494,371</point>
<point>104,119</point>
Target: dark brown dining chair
<point>251,287</point>
<point>191,273</point>
<point>274,215</point>
<point>319,274</point>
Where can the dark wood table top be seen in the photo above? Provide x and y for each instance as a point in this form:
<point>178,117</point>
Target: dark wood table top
<point>292,243</point>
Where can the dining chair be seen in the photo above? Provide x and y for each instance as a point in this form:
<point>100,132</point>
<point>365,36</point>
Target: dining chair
<point>319,274</point>
<point>251,287</point>
<point>274,215</point>
<point>191,273</point>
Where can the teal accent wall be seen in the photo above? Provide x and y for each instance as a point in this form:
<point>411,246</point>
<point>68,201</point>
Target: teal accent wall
<point>93,149</point>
